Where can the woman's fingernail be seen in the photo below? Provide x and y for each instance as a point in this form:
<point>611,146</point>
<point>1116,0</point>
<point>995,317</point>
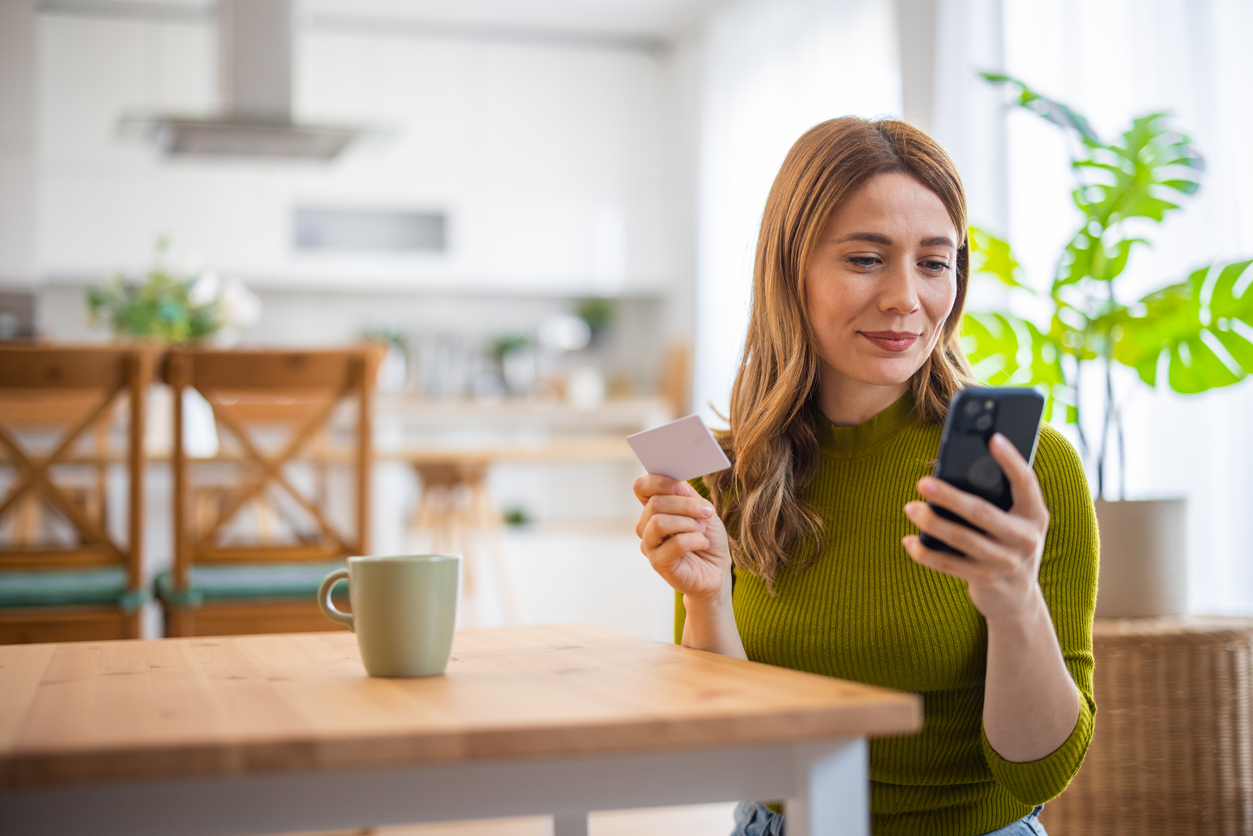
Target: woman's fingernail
<point>708,510</point>
<point>700,526</point>
<point>911,508</point>
<point>926,486</point>
<point>680,488</point>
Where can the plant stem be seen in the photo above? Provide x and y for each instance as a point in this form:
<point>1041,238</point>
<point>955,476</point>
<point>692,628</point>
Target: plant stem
<point>1122,456</point>
<point>1112,412</point>
<point>1105,422</point>
<point>1083,439</point>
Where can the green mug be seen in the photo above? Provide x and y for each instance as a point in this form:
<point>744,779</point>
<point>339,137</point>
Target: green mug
<point>404,609</point>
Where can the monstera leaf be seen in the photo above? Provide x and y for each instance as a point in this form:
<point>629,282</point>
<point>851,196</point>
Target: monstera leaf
<point>1088,257</point>
<point>1135,177</point>
<point>1150,160</point>
<point>1005,350</point>
<point>1054,111</point>
<point>993,257</point>
<point>1203,327</point>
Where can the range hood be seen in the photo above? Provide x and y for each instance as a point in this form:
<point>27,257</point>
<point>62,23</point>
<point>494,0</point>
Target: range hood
<point>255,84</point>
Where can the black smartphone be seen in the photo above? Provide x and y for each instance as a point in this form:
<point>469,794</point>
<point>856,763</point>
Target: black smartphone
<point>965,462</point>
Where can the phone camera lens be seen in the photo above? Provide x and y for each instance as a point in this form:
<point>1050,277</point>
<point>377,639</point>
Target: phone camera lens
<point>983,422</point>
<point>973,407</point>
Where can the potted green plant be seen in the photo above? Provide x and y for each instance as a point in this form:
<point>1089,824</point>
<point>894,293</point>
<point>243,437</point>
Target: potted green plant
<point>1190,336</point>
<point>172,308</point>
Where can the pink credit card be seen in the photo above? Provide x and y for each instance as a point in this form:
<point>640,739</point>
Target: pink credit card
<point>682,449</point>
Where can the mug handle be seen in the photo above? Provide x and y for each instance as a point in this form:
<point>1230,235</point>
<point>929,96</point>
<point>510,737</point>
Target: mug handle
<point>324,598</point>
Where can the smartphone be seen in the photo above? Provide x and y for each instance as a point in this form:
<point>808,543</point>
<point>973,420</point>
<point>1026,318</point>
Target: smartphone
<point>964,461</point>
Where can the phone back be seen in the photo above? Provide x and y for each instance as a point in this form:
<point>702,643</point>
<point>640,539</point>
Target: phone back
<point>974,415</point>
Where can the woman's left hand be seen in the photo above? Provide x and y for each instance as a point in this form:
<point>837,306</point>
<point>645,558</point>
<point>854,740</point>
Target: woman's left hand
<point>1002,566</point>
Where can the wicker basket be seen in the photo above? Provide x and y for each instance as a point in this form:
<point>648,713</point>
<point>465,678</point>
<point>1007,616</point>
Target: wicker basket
<point>1171,750</point>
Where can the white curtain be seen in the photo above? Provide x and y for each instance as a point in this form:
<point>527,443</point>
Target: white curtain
<point>771,69</point>
<point>1112,60</point>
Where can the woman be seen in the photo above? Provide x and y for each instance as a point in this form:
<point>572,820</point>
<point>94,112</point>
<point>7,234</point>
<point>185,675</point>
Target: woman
<point>805,553</point>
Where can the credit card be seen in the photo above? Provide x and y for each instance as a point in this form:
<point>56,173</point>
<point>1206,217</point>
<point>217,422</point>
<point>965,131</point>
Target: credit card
<point>682,449</point>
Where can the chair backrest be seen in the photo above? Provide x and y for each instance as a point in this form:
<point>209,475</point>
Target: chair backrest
<point>279,414</point>
<point>57,410</point>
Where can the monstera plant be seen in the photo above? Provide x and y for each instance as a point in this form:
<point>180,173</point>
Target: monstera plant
<point>1190,336</point>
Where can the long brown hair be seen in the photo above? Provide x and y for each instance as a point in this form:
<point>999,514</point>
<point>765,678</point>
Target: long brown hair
<point>773,438</point>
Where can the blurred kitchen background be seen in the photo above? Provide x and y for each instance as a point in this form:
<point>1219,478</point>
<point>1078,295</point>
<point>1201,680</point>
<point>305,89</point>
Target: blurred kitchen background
<point>547,209</point>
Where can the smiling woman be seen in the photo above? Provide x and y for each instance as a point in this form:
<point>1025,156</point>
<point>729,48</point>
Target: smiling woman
<point>806,553</point>
<point>814,292</point>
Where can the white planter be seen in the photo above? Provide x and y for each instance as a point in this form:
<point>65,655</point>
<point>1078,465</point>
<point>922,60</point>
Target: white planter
<point>1144,547</point>
<point>200,435</point>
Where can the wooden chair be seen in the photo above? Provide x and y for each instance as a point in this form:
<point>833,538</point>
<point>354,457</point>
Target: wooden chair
<point>64,574</point>
<point>255,527</point>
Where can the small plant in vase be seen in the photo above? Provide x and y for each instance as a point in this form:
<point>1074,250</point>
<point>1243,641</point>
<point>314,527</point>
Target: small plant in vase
<point>173,309</point>
<point>1190,336</point>
<point>170,308</point>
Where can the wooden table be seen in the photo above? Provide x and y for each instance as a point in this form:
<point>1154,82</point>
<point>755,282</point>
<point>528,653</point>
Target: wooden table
<point>255,734</point>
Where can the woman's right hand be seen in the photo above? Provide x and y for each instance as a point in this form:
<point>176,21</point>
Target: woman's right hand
<point>683,538</point>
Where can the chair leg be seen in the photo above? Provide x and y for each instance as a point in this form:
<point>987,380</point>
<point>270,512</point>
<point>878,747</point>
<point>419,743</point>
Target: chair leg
<point>180,622</point>
<point>134,625</point>
<point>458,538</point>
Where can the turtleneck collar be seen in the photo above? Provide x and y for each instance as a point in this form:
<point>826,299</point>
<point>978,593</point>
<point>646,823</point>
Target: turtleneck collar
<point>865,438</point>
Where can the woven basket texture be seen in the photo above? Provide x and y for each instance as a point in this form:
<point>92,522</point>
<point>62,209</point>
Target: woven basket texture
<point>1171,749</point>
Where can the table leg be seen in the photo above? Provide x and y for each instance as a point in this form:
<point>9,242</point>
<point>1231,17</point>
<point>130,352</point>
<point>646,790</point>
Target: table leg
<point>570,824</point>
<point>836,801</point>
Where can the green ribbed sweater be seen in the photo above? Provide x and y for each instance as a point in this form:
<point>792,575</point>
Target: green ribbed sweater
<point>866,612</point>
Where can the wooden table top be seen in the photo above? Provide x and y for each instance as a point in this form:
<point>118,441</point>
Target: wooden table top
<point>96,711</point>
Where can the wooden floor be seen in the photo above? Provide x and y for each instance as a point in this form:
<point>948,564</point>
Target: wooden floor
<point>703,820</point>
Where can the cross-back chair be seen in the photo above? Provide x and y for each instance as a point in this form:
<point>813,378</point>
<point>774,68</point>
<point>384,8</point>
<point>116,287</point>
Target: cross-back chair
<point>70,418</point>
<point>258,525</point>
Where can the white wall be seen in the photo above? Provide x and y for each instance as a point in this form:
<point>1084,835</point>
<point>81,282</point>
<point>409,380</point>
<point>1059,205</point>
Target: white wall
<point>554,163</point>
<point>18,151</point>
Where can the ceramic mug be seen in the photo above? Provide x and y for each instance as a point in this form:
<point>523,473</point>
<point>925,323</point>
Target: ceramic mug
<point>404,608</point>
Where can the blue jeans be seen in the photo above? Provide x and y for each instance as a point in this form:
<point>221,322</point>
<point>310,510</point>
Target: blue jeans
<point>752,818</point>
<point>1028,825</point>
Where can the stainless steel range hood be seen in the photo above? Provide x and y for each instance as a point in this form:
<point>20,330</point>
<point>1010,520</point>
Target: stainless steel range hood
<point>255,84</point>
